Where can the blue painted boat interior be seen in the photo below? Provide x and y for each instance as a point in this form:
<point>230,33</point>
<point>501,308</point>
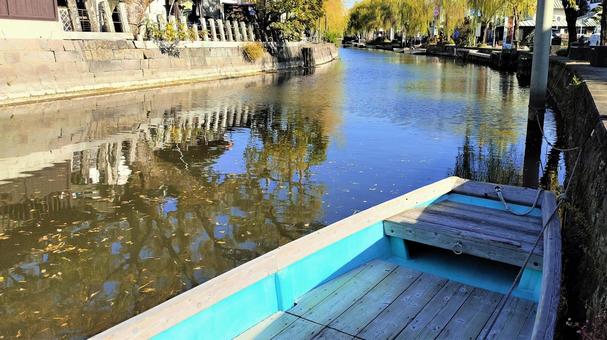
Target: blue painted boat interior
<point>279,291</point>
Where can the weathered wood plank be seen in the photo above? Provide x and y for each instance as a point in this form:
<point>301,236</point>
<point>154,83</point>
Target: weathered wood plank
<point>527,330</point>
<point>510,322</point>
<point>300,329</point>
<point>340,300</point>
<point>332,334</point>
<point>315,296</point>
<point>270,327</point>
<point>375,301</point>
<point>488,217</point>
<point>470,319</point>
<point>417,215</point>
<point>517,195</point>
<point>404,309</point>
<point>437,313</point>
<point>545,321</point>
<point>475,209</point>
<point>446,238</point>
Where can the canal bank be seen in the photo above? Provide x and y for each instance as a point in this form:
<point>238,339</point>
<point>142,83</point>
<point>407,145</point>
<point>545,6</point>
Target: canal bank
<point>38,70</point>
<point>578,91</point>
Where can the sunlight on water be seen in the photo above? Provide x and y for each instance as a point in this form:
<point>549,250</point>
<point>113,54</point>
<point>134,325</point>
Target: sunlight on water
<point>112,205</point>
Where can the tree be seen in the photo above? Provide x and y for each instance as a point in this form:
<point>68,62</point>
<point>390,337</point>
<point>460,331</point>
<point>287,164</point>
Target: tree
<point>335,19</point>
<point>289,19</point>
<point>518,9</point>
<point>454,12</point>
<point>573,10</point>
<point>487,9</point>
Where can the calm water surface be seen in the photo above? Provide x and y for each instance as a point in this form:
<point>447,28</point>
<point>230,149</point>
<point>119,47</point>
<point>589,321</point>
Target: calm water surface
<point>112,205</point>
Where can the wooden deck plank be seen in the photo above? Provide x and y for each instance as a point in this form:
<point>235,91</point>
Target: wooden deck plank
<point>499,214</point>
<point>446,238</point>
<point>437,313</point>
<point>375,301</point>
<point>527,329</point>
<point>470,319</point>
<point>398,314</point>
<point>340,300</point>
<point>487,217</point>
<point>300,329</point>
<point>518,195</point>
<point>332,334</point>
<point>315,296</point>
<point>464,225</point>
<point>269,327</point>
<point>509,322</point>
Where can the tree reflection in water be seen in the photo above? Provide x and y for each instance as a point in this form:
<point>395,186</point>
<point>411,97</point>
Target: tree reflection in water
<point>131,223</point>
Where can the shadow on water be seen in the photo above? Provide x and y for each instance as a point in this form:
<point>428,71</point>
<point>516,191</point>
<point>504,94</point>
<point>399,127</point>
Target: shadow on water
<point>111,205</point>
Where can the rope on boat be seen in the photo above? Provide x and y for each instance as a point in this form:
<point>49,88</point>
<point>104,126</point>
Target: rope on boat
<point>500,193</point>
<point>561,199</point>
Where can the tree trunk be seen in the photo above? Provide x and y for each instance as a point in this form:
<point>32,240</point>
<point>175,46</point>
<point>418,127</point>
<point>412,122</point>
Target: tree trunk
<point>485,33</point>
<point>515,34</point>
<point>571,15</point>
<point>604,24</point>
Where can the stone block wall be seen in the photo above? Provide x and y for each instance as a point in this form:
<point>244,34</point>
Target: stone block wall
<point>33,70</point>
<point>577,90</point>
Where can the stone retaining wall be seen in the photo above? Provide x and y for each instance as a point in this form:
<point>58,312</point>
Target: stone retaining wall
<point>32,70</point>
<point>578,92</point>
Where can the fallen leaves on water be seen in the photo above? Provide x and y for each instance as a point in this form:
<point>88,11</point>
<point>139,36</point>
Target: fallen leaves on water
<point>4,237</point>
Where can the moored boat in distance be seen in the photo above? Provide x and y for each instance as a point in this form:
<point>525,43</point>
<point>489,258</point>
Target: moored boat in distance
<point>456,259</point>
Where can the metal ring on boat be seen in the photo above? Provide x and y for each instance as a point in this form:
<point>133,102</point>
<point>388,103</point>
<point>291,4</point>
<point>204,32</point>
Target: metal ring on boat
<point>458,248</point>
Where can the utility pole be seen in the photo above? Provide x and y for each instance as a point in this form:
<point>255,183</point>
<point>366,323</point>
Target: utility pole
<point>537,96</point>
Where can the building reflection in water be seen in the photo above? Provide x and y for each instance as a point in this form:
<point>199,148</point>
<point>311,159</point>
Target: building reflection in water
<point>129,209</point>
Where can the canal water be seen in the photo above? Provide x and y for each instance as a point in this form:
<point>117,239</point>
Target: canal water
<point>111,205</point>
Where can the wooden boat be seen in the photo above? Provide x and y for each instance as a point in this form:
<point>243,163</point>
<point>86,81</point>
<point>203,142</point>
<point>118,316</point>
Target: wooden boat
<point>388,272</point>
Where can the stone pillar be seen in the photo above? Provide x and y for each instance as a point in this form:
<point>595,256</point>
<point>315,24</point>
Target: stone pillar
<point>205,29</point>
<point>236,30</point>
<point>213,30</point>
<point>197,35</point>
<point>251,32</point>
<point>222,32</point>
<point>243,28</point>
<point>107,16</point>
<point>124,17</point>
<point>91,11</point>
<point>229,30</point>
<point>72,9</point>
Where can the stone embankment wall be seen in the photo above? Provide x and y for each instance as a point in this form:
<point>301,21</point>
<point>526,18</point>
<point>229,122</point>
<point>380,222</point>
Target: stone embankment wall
<point>579,93</point>
<point>32,70</point>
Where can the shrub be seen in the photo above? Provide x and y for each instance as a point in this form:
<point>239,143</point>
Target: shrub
<point>253,51</point>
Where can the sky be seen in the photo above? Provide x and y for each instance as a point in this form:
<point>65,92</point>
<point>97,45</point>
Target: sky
<point>349,3</point>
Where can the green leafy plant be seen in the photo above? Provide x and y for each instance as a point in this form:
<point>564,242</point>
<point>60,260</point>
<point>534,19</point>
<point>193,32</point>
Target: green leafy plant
<point>253,51</point>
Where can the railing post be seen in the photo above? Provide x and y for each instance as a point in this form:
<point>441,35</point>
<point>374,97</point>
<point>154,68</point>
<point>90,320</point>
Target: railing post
<point>236,30</point>
<point>205,30</point>
<point>251,32</point>
<point>222,34</point>
<point>243,28</point>
<point>124,17</point>
<point>213,30</point>
<point>196,33</point>
<point>107,16</point>
<point>72,9</point>
<point>91,11</point>
<point>229,30</point>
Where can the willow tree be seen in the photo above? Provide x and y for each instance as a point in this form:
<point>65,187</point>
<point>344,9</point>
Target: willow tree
<point>487,9</point>
<point>453,12</point>
<point>335,19</point>
<point>518,9</point>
